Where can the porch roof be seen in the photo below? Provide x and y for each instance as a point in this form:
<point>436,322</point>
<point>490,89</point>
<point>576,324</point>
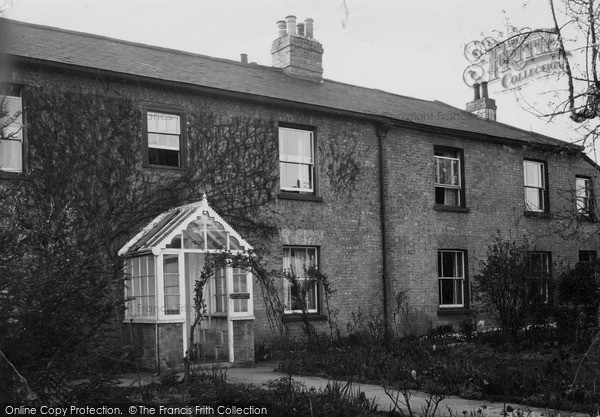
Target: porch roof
<point>166,226</point>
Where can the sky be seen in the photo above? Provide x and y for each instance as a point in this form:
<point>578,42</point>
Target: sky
<point>412,48</point>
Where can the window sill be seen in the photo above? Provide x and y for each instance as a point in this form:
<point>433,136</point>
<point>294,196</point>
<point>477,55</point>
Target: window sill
<point>454,311</point>
<point>455,209</point>
<point>164,168</point>
<point>540,214</point>
<point>297,317</point>
<point>9,175</point>
<point>297,196</point>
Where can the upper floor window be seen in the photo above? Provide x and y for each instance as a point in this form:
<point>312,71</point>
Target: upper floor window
<point>164,139</point>
<point>448,177</point>
<point>296,160</point>
<point>11,134</point>
<point>451,277</point>
<point>535,182</point>
<point>583,195</point>
<point>301,292</point>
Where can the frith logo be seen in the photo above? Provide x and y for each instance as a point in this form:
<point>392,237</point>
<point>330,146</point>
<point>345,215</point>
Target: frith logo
<point>514,61</point>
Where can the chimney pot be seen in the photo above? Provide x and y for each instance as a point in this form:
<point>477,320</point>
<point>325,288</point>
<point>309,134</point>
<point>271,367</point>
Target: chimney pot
<point>281,28</point>
<point>244,58</point>
<point>308,27</point>
<point>484,89</point>
<point>300,28</point>
<point>476,95</point>
<point>291,25</point>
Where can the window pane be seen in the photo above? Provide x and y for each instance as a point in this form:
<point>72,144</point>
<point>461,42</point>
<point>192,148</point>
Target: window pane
<point>295,176</point>
<point>534,198</point>
<point>164,157</point>
<point>193,236</point>
<point>448,264</point>
<point>534,174</point>
<point>446,291</point>
<point>171,283</point>
<point>11,155</point>
<point>448,172</point>
<point>220,291</point>
<point>216,237</point>
<point>14,130</point>
<point>447,196</point>
<point>240,306</point>
<point>163,123</point>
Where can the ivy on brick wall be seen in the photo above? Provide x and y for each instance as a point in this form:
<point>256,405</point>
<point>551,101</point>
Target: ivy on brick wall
<point>84,192</point>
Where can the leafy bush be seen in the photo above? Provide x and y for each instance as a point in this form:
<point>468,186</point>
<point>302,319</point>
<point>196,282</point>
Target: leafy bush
<point>508,286</point>
<point>578,302</point>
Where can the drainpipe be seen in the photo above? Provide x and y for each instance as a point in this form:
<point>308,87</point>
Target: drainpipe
<point>382,131</point>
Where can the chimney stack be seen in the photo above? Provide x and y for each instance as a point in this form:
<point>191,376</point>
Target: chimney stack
<point>244,58</point>
<point>482,106</point>
<point>296,51</point>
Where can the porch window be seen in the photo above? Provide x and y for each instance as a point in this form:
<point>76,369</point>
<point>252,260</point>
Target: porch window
<point>171,280</point>
<point>140,287</point>
<point>240,287</point>
<point>296,260</point>
<point>220,291</point>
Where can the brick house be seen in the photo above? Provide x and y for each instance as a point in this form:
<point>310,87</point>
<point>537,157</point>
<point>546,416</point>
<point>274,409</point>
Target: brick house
<point>381,192</point>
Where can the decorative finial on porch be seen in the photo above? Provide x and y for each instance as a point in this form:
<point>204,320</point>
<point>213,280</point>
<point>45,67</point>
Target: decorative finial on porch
<point>204,197</point>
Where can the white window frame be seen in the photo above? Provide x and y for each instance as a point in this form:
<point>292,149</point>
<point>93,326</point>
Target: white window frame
<point>457,276</point>
<point>142,304</point>
<point>458,168</point>
<point>583,195</point>
<point>13,132</point>
<point>539,188</point>
<point>301,161</point>
<point>287,285</point>
<point>237,304</point>
<point>156,115</point>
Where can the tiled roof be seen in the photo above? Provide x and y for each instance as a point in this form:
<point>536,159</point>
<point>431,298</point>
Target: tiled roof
<point>97,52</point>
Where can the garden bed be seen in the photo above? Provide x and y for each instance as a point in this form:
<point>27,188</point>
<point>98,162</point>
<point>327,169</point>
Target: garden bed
<point>534,369</point>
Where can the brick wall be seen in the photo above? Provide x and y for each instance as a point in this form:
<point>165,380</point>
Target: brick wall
<point>494,194</point>
<point>346,224</point>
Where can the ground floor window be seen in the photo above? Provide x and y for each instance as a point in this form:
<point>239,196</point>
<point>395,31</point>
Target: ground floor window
<point>451,278</point>
<point>588,255</point>
<point>540,266</point>
<point>298,290</point>
<point>140,288</point>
